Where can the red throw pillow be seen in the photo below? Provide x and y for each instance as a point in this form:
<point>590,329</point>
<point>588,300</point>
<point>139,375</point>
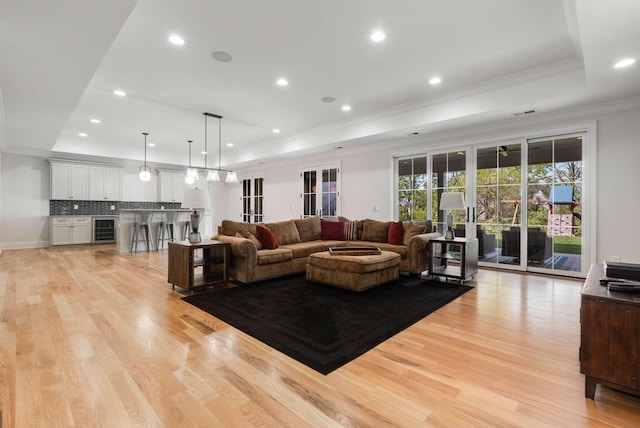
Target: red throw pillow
<point>396,233</point>
<point>332,230</point>
<point>266,237</point>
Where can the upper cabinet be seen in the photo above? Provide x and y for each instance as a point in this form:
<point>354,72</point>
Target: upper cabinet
<point>85,181</point>
<point>69,181</point>
<point>105,183</point>
<point>172,186</point>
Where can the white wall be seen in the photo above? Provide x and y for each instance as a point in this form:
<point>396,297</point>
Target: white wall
<point>24,206</point>
<point>618,188</point>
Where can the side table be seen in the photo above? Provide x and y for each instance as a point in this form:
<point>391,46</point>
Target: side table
<point>188,269</point>
<point>463,252</point>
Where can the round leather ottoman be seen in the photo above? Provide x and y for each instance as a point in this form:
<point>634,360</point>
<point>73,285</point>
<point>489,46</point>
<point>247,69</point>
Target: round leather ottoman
<point>353,272</point>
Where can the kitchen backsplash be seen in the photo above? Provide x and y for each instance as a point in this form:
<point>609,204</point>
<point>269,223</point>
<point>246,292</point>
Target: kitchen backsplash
<point>66,207</point>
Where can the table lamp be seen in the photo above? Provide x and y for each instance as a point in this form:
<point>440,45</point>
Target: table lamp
<point>451,201</point>
<point>195,199</point>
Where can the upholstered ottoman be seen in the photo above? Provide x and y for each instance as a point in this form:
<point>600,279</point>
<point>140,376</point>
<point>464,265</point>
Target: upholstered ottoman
<point>355,272</point>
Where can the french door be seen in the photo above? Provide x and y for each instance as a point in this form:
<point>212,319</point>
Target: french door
<point>253,200</point>
<point>321,191</point>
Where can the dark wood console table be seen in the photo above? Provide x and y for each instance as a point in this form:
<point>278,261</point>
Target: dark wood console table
<point>184,264</point>
<point>609,326</point>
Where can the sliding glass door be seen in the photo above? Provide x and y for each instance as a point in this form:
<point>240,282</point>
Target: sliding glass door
<point>524,200</point>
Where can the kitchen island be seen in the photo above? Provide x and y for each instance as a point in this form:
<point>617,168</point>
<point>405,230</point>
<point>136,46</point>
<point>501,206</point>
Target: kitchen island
<point>154,216</point>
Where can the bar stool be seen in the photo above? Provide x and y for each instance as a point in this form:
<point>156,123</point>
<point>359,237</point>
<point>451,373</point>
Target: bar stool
<point>141,222</point>
<point>172,216</point>
<point>165,230</point>
<point>185,226</point>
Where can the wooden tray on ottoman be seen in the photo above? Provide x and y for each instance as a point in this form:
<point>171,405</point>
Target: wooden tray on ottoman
<point>354,251</point>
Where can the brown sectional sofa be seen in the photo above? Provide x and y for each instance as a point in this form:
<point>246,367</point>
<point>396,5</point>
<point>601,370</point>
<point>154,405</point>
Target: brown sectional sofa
<point>297,239</point>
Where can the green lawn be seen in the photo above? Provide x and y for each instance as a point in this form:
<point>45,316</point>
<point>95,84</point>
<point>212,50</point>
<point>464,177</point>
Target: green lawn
<point>568,245</point>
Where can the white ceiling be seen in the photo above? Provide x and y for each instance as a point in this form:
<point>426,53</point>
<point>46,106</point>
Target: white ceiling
<point>60,62</point>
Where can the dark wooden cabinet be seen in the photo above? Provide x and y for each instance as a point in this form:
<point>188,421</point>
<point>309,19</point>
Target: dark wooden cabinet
<point>609,327</point>
<point>197,264</point>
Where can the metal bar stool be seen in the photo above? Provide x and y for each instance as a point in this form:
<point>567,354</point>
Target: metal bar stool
<point>165,230</point>
<point>172,216</point>
<point>141,222</point>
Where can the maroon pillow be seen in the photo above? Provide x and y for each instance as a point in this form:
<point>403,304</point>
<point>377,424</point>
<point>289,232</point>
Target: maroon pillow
<point>396,233</point>
<point>266,237</point>
<point>332,230</point>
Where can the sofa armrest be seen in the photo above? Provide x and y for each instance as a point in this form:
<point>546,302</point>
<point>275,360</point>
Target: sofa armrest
<point>240,247</point>
<point>418,252</point>
<point>421,242</point>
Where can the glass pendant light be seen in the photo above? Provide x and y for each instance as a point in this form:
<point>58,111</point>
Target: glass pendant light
<point>144,172</point>
<point>212,175</point>
<point>191,175</point>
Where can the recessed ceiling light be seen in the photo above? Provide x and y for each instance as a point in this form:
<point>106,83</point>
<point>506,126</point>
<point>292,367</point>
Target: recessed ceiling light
<point>378,36</point>
<point>435,80</point>
<point>229,144</point>
<point>346,108</point>
<point>624,63</point>
<point>276,131</point>
<point>203,152</point>
<point>95,120</point>
<point>82,134</point>
<point>176,40</point>
<point>221,56</point>
<point>282,82</point>
<point>120,92</point>
<point>151,144</point>
<point>328,99</point>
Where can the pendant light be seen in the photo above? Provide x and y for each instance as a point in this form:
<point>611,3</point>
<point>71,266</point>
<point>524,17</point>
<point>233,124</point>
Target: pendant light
<point>192,173</point>
<point>212,174</point>
<point>144,172</point>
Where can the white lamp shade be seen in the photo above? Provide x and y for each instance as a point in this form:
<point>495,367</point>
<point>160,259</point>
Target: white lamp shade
<point>452,201</point>
<point>196,199</point>
<point>232,177</point>
<point>213,175</point>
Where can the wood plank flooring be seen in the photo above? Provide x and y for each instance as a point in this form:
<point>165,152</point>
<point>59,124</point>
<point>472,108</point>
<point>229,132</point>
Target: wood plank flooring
<point>90,337</point>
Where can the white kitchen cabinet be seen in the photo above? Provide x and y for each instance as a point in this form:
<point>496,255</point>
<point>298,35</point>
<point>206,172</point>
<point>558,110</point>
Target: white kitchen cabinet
<point>105,183</point>
<point>70,230</point>
<point>69,181</point>
<point>172,186</point>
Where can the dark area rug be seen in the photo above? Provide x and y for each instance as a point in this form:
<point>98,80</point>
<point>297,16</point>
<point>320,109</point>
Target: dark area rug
<point>321,326</point>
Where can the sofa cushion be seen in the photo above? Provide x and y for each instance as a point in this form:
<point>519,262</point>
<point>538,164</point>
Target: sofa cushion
<point>428,225</point>
<point>410,230</point>
<point>230,227</point>
<point>248,235</point>
<point>309,228</point>
<point>374,230</point>
<point>396,233</point>
<point>266,237</point>
<point>351,230</point>
<point>286,232</point>
<point>278,255</point>
<point>332,230</point>
<point>359,226</point>
<point>399,249</point>
<point>304,249</point>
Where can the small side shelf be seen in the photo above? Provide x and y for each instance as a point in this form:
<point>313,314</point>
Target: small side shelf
<point>197,264</point>
<point>453,258</point>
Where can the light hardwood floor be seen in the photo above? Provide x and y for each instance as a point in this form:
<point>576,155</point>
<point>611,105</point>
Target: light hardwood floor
<point>90,337</point>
